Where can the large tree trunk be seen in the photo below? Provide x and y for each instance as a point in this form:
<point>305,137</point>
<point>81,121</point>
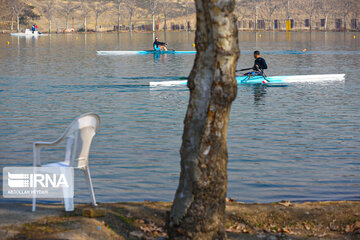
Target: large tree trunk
<point>198,211</point>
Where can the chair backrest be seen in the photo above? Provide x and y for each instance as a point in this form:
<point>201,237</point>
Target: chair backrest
<point>79,136</point>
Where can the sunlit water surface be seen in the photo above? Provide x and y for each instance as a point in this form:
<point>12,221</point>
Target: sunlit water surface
<point>300,142</point>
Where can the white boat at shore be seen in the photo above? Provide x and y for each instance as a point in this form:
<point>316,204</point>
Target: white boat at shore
<point>28,33</point>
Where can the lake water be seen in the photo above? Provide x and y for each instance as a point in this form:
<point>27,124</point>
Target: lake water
<point>300,142</point>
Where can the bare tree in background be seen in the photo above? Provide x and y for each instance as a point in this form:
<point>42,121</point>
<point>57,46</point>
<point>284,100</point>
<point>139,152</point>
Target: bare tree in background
<point>309,7</point>
<point>118,4</point>
<point>7,10</point>
<point>130,5</point>
<point>345,7</point>
<point>269,7</point>
<point>198,210</point>
<point>287,7</point>
<point>68,8</point>
<point>153,6</point>
<point>256,12</point>
<point>85,12</point>
<point>165,6</point>
<point>189,8</point>
<point>48,8</point>
<point>326,7</point>
<point>17,7</point>
<point>242,10</point>
<point>99,8</point>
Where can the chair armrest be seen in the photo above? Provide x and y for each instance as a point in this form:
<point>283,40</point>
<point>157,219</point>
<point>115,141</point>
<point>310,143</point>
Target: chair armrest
<point>36,150</point>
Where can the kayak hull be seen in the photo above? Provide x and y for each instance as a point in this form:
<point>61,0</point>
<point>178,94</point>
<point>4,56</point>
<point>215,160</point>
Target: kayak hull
<point>114,53</point>
<point>275,80</point>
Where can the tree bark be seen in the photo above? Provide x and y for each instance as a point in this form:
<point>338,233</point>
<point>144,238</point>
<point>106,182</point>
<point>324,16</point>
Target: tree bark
<point>198,211</point>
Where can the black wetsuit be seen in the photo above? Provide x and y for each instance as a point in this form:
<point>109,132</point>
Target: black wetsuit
<point>261,63</point>
<point>156,44</point>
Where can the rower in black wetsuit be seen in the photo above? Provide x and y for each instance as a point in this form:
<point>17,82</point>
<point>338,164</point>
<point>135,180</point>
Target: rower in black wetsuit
<point>260,63</point>
<point>159,46</point>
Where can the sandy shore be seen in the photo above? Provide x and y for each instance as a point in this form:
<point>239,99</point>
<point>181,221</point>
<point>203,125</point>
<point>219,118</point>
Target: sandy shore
<point>146,220</point>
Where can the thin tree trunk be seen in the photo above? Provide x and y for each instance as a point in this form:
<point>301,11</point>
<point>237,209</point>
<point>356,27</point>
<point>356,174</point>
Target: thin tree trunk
<point>96,22</point>
<point>130,27</point>
<point>118,25</point>
<point>153,21</point>
<point>198,211</point>
<point>12,24</point>
<point>85,29</point>
<point>18,22</point>
<point>344,22</point>
<point>256,14</point>
<point>288,10</point>
<point>67,21</point>
<point>326,20</point>
<point>165,18</point>
<point>49,26</point>
<point>187,19</point>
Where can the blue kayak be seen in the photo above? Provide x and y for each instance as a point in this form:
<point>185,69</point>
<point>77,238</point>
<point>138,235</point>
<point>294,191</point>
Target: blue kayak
<point>114,53</point>
<point>274,80</point>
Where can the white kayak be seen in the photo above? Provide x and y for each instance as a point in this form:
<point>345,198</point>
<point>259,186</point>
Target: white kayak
<point>114,53</point>
<point>275,80</point>
<point>28,33</point>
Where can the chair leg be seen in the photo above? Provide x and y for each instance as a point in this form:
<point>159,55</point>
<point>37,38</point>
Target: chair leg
<point>68,201</point>
<point>34,204</point>
<point>89,183</point>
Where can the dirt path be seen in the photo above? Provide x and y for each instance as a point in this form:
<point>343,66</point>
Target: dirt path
<point>321,220</point>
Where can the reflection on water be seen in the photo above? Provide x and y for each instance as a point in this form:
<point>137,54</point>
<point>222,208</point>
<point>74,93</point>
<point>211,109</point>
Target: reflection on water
<point>259,92</point>
<point>299,142</point>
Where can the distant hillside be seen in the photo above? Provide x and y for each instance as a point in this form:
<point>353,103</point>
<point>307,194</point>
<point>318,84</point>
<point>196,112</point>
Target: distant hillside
<point>176,14</point>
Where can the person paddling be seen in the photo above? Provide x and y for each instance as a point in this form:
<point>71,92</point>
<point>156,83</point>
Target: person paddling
<point>258,68</point>
<point>159,46</point>
<point>259,64</point>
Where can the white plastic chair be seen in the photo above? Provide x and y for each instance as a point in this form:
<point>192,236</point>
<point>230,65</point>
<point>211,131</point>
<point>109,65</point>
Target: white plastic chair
<point>78,138</point>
